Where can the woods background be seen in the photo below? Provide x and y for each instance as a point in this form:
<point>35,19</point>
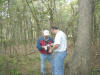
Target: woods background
<point>22,22</point>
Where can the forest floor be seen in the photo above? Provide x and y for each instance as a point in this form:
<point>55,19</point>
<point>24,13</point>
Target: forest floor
<point>30,64</point>
<point>22,65</point>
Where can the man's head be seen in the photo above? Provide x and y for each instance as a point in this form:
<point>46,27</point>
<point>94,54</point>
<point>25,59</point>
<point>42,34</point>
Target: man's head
<point>46,33</point>
<point>54,30</point>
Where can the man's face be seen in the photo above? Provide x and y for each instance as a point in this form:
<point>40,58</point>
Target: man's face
<point>46,37</point>
<point>53,31</point>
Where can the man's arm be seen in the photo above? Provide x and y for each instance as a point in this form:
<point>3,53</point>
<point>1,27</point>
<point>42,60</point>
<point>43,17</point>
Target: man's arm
<point>39,46</point>
<point>54,47</point>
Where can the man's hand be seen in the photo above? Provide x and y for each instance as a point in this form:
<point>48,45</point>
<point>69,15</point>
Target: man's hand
<point>51,44</point>
<point>44,47</point>
<point>50,50</point>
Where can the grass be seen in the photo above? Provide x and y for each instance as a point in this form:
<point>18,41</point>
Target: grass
<point>21,65</point>
<point>27,65</point>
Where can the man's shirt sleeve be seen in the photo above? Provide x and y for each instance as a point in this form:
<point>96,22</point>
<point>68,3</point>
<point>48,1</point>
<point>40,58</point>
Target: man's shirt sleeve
<point>57,39</point>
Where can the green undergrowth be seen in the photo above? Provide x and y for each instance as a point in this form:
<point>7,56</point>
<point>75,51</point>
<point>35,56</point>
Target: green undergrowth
<point>20,65</point>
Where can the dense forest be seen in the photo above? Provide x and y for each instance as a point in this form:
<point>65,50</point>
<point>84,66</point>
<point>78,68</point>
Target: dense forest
<point>22,23</point>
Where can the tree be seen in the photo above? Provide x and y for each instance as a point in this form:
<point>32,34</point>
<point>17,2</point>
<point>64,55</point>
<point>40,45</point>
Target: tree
<point>80,61</point>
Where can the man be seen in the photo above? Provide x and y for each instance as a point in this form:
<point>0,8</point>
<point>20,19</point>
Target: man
<point>60,48</point>
<point>43,45</point>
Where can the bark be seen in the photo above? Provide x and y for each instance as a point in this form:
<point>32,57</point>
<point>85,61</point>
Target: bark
<point>80,61</point>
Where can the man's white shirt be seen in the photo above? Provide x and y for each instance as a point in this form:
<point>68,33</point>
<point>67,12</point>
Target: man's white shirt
<point>61,39</point>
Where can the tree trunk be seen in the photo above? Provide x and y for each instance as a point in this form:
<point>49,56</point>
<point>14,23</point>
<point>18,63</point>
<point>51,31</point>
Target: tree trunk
<point>80,61</point>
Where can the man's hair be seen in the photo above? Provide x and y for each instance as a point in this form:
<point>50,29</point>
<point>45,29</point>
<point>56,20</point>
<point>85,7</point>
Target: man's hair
<point>54,27</point>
